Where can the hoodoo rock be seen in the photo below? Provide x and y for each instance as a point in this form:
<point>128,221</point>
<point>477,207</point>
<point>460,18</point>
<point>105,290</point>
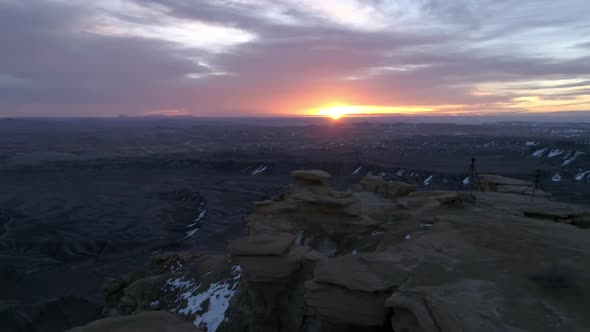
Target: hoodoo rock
<point>382,257</point>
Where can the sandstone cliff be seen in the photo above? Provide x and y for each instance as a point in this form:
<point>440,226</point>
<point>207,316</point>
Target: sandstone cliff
<point>381,257</point>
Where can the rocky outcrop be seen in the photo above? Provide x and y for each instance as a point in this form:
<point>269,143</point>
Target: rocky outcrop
<point>267,257</point>
<point>501,184</point>
<point>272,265</point>
<point>382,257</point>
<point>199,288</point>
<point>377,184</point>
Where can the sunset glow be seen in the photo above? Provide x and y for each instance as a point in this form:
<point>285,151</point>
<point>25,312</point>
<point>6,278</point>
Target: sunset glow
<point>286,58</point>
<point>339,111</point>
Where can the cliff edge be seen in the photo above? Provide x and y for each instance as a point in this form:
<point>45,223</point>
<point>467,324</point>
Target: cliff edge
<point>380,257</point>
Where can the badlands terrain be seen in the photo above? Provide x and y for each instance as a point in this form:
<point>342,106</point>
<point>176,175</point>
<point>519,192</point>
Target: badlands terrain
<point>89,200</point>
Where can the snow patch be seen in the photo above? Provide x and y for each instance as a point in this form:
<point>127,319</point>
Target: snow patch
<point>375,233</point>
<point>190,233</point>
<point>580,176</point>
<point>555,153</point>
<point>194,227</point>
<point>407,237</point>
<point>400,172</point>
<point>539,153</point>
<point>357,170</point>
<point>259,170</point>
<point>466,180</point>
<point>178,283</point>
<point>531,143</point>
<point>427,181</point>
<point>573,158</point>
<point>556,177</point>
<point>208,306</point>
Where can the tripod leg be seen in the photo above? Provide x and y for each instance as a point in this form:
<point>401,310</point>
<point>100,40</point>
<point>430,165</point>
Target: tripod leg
<point>471,178</point>
<point>542,188</point>
<point>476,174</point>
<point>462,177</point>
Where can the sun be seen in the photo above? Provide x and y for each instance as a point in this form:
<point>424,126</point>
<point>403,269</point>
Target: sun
<point>334,112</point>
<point>335,115</point>
<point>338,111</point>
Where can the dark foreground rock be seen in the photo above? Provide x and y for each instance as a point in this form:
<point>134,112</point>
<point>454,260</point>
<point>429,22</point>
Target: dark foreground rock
<point>54,315</point>
<point>157,321</point>
<point>383,257</point>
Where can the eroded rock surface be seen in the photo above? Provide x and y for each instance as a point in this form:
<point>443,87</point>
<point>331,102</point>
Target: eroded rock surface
<point>383,257</point>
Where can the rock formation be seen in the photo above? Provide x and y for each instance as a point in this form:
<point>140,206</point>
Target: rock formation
<point>382,257</point>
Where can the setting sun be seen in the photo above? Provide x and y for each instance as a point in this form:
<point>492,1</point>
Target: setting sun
<point>338,111</point>
<point>334,112</point>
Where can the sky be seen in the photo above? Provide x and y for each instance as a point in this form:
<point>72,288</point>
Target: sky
<point>292,57</point>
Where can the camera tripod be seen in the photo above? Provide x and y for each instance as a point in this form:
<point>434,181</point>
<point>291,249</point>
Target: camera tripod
<point>536,184</point>
<point>473,176</point>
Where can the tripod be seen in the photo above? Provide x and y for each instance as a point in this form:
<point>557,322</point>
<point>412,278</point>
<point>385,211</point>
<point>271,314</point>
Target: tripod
<point>473,176</point>
<point>536,184</point>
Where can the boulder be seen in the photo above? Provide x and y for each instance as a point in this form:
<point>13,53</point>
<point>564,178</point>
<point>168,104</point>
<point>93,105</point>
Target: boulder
<point>490,181</point>
<point>376,184</point>
<point>268,257</point>
<point>310,175</point>
<point>262,245</point>
<point>502,184</point>
<point>363,272</point>
<point>346,307</point>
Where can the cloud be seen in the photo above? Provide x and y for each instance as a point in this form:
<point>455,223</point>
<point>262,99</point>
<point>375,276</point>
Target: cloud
<point>242,57</point>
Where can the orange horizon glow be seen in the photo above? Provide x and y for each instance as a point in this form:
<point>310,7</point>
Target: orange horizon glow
<point>337,111</point>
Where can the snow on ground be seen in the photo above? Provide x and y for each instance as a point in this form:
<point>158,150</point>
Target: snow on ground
<point>400,172</point>
<point>208,306</point>
<point>466,180</point>
<point>572,158</point>
<point>555,153</point>
<point>382,174</point>
<point>531,143</point>
<point>191,233</point>
<point>427,181</point>
<point>539,153</point>
<point>357,170</point>
<point>580,176</point>
<point>194,227</point>
<point>556,177</point>
<point>260,169</point>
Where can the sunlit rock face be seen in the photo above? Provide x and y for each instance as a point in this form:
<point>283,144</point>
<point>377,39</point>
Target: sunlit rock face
<point>383,257</point>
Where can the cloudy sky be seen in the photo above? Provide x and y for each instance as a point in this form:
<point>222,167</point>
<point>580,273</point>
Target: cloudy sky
<point>260,57</point>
